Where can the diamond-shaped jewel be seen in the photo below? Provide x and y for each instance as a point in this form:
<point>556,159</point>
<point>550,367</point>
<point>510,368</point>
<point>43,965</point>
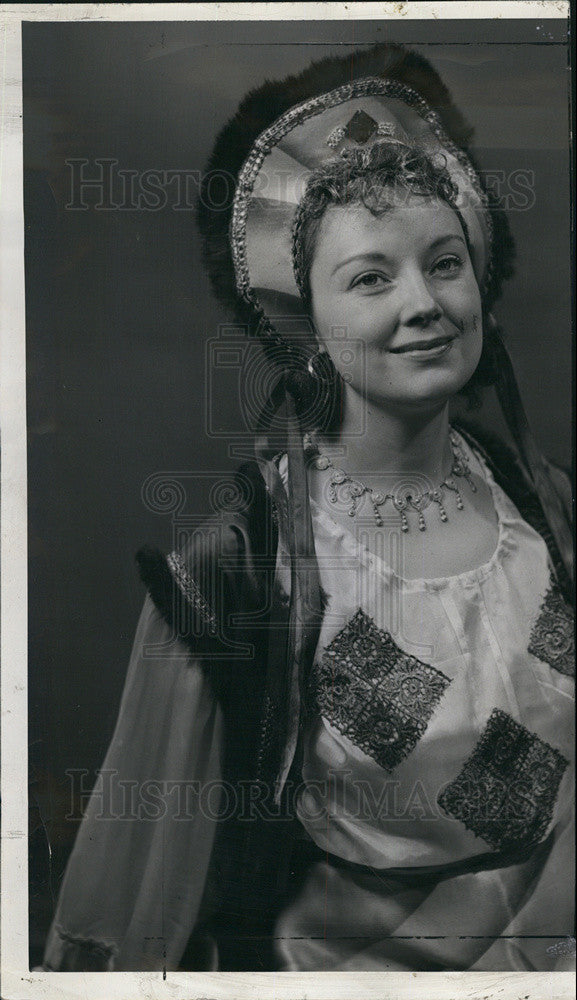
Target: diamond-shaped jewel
<point>361,127</point>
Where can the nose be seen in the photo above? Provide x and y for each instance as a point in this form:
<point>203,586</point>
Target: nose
<point>419,307</point>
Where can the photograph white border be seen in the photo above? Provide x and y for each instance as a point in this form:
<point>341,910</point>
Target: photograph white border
<point>17,982</point>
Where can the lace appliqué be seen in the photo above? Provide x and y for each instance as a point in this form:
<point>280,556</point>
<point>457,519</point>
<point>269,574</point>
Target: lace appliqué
<point>190,589</point>
<point>553,639</point>
<point>507,789</point>
<point>375,694</point>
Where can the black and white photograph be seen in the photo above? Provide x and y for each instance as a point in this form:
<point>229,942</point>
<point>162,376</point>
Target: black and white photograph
<point>288,561</point>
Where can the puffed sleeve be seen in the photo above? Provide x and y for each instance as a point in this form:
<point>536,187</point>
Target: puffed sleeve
<point>135,878</point>
<point>134,884</point>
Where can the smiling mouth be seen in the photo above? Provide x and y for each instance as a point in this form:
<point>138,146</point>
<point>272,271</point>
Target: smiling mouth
<point>422,345</point>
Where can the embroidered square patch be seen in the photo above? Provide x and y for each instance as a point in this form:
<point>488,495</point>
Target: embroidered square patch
<point>507,789</point>
<point>553,636</point>
<point>375,694</point>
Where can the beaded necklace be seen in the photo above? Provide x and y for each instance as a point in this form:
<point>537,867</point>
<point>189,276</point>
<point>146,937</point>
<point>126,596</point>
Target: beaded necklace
<point>347,488</point>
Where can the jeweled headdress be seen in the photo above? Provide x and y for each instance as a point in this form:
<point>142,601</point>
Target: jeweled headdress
<point>286,128</point>
<point>284,131</point>
<point>272,180</point>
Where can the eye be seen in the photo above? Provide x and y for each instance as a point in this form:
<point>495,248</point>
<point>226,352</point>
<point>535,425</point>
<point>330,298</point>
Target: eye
<point>370,280</point>
<point>449,264</point>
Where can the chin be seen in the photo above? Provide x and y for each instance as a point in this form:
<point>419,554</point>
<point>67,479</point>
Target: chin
<point>432,389</point>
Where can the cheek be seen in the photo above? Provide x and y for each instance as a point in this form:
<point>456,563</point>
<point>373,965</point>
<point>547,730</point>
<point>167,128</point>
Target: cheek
<point>323,316</point>
<point>338,322</point>
<point>470,298</point>
<point>463,308</point>
<point>474,318</point>
<point>346,336</point>
<point>476,338</point>
<point>365,322</point>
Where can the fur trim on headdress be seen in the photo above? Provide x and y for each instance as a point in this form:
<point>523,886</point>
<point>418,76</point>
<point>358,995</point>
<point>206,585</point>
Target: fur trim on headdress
<point>265,104</point>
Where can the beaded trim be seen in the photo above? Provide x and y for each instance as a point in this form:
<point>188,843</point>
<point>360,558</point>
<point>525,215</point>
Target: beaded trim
<point>374,693</point>
<point>190,589</point>
<point>553,638</point>
<point>507,789</point>
<point>295,116</point>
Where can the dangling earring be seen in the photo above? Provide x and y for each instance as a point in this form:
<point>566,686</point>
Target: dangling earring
<point>325,389</point>
<point>317,365</point>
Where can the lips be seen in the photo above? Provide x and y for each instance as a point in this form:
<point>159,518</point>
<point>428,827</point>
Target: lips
<point>422,345</point>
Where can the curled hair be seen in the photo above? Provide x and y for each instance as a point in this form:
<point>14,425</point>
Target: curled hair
<point>260,109</point>
<point>379,178</point>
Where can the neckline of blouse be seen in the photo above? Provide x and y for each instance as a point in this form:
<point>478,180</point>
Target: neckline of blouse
<point>377,563</point>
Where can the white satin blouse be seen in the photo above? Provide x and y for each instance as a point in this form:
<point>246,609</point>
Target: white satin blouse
<point>441,729</point>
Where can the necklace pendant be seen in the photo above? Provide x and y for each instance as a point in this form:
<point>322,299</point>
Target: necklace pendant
<point>375,500</point>
<point>354,505</point>
<point>354,489</point>
<point>437,497</point>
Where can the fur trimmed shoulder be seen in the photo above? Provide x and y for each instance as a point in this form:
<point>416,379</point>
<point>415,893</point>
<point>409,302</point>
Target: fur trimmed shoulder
<point>218,571</point>
<point>169,582</point>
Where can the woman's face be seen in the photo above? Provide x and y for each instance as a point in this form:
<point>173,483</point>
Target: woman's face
<point>399,292</point>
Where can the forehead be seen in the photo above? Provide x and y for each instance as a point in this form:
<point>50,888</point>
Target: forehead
<point>410,223</point>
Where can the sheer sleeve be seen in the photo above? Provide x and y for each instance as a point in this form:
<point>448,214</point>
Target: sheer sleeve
<point>135,879</point>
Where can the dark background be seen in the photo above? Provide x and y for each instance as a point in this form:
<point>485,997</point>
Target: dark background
<point>119,312</point>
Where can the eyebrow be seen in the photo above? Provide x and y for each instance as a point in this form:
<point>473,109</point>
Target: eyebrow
<point>377,255</point>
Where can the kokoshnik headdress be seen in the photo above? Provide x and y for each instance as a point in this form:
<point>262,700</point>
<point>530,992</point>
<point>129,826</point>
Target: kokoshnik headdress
<point>273,179</point>
<point>282,133</point>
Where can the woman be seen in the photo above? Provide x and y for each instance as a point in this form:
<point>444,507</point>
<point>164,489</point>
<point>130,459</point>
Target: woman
<point>374,726</point>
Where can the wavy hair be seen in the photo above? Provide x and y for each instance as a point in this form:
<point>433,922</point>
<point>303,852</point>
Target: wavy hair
<point>379,178</point>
